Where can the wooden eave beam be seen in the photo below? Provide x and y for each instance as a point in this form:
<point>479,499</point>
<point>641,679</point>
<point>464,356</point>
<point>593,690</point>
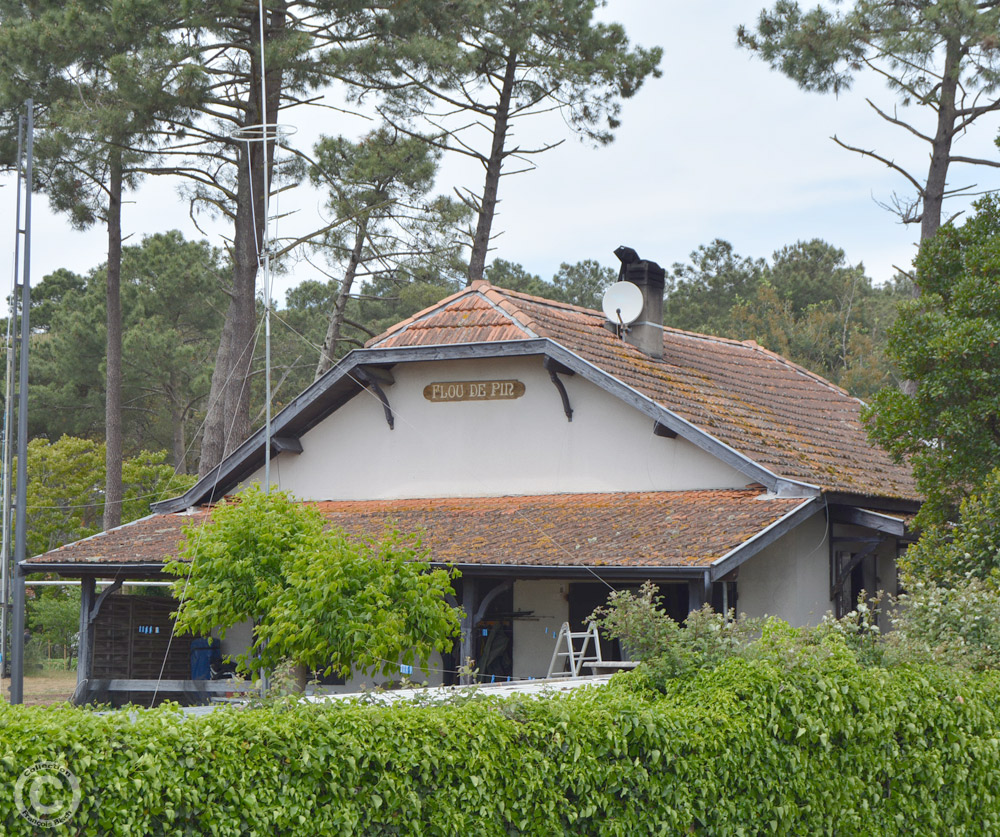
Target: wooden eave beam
<point>869,519</point>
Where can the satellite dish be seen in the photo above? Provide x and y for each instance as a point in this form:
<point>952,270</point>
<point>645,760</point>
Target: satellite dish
<point>622,303</point>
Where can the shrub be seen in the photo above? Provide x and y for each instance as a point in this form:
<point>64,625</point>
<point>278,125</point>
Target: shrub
<point>669,648</point>
<point>316,596</point>
<point>750,747</point>
<point>957,626</point>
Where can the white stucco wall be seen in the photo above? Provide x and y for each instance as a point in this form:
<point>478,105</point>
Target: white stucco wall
<point>491,448</point>
<point>791,577</point>
<point>237,639</point>
<point>886,569</point>
<point>535,637</point>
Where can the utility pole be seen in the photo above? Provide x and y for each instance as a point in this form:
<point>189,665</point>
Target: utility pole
<point>20,502</point>
<point>10,354</point>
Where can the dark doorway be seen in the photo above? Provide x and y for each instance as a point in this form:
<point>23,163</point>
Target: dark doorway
<point>495,639</point>
<point>586,597</point>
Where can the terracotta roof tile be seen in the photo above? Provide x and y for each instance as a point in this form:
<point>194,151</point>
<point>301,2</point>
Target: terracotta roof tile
<point>466,318</point>
<point>656,529</point>
<point>776,413</point>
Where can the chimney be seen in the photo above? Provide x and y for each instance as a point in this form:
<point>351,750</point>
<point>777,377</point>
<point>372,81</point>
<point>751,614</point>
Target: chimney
<point>646,333</point>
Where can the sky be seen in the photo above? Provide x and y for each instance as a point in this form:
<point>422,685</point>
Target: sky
<point>719,147</point>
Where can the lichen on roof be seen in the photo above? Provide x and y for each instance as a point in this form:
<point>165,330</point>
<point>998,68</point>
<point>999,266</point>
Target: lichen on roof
<point>776,413</point>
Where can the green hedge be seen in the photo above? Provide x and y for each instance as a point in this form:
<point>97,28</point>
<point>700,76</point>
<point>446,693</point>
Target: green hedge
<point>820,747</point>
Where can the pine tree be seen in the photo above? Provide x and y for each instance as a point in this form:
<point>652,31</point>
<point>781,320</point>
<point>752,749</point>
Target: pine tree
<point>464,72</point>
<point>103,74</point>
<point>944,56</point>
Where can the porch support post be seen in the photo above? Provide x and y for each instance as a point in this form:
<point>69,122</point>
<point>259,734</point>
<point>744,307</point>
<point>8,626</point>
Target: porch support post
<point>467,652</point>
<point>699,592</point>
<point>84,656</point>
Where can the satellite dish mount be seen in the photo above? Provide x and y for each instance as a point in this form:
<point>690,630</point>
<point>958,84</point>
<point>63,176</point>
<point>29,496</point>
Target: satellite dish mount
<point>623,301</point>
<point>622,305</point>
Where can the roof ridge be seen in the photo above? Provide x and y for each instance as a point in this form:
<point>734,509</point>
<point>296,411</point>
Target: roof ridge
<point>551,303</point>
<point>481,288</point>
<point>699,335</point>
<point>517,316</point>
<point>403,325</point>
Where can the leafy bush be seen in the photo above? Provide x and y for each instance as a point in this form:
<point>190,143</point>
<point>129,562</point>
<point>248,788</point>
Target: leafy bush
<point>750,747</point>
<point>315,596</point>
<point>668,648</point>
<point>957,626</point>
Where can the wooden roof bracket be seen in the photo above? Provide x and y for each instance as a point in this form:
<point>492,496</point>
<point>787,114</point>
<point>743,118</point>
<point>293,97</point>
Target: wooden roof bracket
<point>488,600</point>
<point>369,376</point>
<point>286,444</point>
<point>107,591</point>
<point>841,572</point>
<point>90,606</point>
<point>555,369</point>
<point>663,431</point>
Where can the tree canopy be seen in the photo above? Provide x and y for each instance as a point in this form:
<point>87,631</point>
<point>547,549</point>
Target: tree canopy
<point>948,342</point>
<point>315,596</point>
<point>389,224</point>
<point>808,304</point>
<point>172,301</point>
<point>581,283</point>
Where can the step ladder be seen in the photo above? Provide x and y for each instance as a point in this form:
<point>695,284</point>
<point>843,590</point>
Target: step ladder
<point>572,648</point>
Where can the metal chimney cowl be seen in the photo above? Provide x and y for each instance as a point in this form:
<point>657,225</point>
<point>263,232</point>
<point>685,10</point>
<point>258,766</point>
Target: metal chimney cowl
<point>646,333</point>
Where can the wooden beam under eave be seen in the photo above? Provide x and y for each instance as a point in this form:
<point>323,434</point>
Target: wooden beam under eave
<point>870,520</point>
<point>286,444</point>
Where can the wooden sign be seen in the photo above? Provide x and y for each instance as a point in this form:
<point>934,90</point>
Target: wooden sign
<point>473,390</point>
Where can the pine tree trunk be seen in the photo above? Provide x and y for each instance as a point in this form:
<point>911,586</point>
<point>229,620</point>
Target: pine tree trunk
<point>937,174</point>
<point>113,397</point>
<point>227,423</point>
<point>340,304</point>
<point>177,415</point>
<point>481,243</point>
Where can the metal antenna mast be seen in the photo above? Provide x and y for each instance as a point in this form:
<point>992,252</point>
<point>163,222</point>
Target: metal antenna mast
<point>266,246</point>
<point>264,133</point>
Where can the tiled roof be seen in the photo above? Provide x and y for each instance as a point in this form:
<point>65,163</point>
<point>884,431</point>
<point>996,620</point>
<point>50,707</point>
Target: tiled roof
<point>776,413</point>
<point>656,529</point>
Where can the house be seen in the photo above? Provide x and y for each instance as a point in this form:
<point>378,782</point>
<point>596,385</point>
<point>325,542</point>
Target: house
<point>551,455</point>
